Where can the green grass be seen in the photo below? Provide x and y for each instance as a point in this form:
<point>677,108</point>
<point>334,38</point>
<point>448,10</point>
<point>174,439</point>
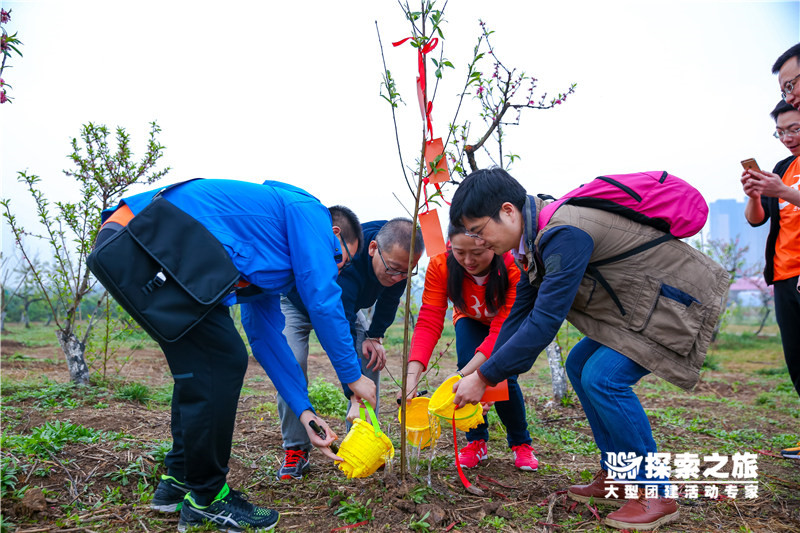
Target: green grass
<point>134,392</point>
<point>51,437</point>
<point>353,512</point>
<point>327,398</point>
<point>35,336</point>
<point>746,341</point>
<point>50,395</point>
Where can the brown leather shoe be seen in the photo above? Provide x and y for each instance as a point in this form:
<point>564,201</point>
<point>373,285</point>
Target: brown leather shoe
<point>597,490</point>
<point>643,513</point>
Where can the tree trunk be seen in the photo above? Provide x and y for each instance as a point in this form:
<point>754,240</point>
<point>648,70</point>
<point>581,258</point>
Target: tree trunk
<point>763,321</point>
<point>74,351</point>
<point>557,373</point>
<point>718,327</point>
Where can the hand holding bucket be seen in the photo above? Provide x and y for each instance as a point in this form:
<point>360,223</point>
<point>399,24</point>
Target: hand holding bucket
<point>441,405</point>
<point>365,448</point>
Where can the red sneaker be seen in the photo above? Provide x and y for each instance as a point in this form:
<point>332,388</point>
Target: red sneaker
<point>473,453</point>
<point>524,457</point>
<point>295,464</point>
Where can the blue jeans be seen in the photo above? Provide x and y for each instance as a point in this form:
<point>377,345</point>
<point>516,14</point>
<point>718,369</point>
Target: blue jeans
<point>602,379</point>
<point>469,335</point>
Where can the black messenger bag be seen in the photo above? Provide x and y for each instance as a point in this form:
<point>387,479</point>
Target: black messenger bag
<point>165,269</point>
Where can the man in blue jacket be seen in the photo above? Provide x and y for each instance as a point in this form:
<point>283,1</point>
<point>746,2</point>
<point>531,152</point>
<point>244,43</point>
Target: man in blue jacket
<point>279,238</point>
<point>377,276</point>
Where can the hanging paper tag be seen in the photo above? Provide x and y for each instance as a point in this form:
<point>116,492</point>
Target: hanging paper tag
<point>498,393</point>
<point>435,149</point>
<point>432,233</point>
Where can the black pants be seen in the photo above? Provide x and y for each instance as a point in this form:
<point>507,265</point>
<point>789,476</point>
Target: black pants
<point>787,313</point>
<point>208,365</point>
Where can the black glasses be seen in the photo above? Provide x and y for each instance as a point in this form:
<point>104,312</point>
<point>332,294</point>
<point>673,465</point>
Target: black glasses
<point>349,255</point>
<point>391,271</point>
<point>477,234</point>
<point>788,87</point>
<point>780,134</point>
<point>338,257</point>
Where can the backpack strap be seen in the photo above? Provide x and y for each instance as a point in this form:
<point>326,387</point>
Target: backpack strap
<point>594,272</point>
<point>530,231</point>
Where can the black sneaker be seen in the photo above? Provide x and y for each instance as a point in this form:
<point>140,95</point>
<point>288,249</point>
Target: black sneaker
<point>230,511</point>
<point>295,464</point>
<point>169,495</point>
<point>792,452</point>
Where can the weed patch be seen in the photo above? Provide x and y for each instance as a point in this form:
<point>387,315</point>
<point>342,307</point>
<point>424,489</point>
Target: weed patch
<point>327,398</point>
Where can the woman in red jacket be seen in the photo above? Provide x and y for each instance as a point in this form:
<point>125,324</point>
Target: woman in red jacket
<point>482,287</point>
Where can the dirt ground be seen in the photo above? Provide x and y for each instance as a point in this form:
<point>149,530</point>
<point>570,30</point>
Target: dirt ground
<point>74,494</point>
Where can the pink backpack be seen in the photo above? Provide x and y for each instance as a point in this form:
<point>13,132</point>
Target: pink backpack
<point>656,199</point>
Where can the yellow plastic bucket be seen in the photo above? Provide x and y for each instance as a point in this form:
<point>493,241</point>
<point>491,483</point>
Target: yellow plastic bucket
<point>418,423</point>
<point>365,448</point>
<point>441,405</point>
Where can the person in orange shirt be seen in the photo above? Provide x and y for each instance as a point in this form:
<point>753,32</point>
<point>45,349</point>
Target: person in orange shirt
<point>482,287</point>
<point>775,196</point>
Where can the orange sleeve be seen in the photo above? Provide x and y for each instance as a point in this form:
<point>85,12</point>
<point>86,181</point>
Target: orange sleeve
<point>487,345</point>
<point>430,321</point>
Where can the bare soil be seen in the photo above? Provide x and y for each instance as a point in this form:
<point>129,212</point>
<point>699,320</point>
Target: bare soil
<point>74,492</point>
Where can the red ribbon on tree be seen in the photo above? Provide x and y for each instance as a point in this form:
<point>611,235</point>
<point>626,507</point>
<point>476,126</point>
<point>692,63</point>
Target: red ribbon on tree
<point>425,107</point>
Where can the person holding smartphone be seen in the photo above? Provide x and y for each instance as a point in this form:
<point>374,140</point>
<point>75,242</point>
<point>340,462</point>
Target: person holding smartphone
<point>482,286</point>
<point>775,196</point>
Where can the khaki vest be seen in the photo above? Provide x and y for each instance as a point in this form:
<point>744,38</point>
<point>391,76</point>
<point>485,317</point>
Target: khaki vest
<point>665,336</point>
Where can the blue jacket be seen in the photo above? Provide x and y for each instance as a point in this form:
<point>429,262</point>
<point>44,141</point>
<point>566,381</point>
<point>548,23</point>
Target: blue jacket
<point>279,237</point>
<point>361,289</point>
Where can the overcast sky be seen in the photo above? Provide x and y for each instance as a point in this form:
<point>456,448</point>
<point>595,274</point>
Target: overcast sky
<point>290,90</point>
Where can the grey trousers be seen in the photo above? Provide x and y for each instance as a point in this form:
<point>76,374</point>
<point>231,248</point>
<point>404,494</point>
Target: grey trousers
<point>297,330</point>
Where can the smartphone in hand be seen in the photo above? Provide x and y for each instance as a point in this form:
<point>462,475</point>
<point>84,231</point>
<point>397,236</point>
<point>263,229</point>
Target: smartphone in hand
<point>750,164</point>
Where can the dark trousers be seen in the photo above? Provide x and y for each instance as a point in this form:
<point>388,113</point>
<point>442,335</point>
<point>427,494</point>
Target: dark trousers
<point>787,313</point>
<point>208,365</point>
<point>469,335</point>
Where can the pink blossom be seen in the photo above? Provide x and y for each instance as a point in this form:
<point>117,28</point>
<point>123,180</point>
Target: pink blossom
<point>480,90</point>
<point>3,43</point>
<point>2,82</point>
<point>3,98</point>
<point>5,16</point>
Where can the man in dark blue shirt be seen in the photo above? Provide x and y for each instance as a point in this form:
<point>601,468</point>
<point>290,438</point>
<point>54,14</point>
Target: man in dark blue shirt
<point>613,356</point>
<point>376,276</point>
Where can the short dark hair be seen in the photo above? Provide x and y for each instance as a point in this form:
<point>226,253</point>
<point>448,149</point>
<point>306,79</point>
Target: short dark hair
<point>496,282</point>
<point>483,192</point>
<point>349,225</point>
<point>780,109</point>
<point>398,232</point>
<point>793,52</point>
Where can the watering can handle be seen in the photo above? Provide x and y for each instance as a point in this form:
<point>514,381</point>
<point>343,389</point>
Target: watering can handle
<point>372,417</point>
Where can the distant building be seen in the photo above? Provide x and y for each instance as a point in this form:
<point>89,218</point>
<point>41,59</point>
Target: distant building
<point>726,222</point>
